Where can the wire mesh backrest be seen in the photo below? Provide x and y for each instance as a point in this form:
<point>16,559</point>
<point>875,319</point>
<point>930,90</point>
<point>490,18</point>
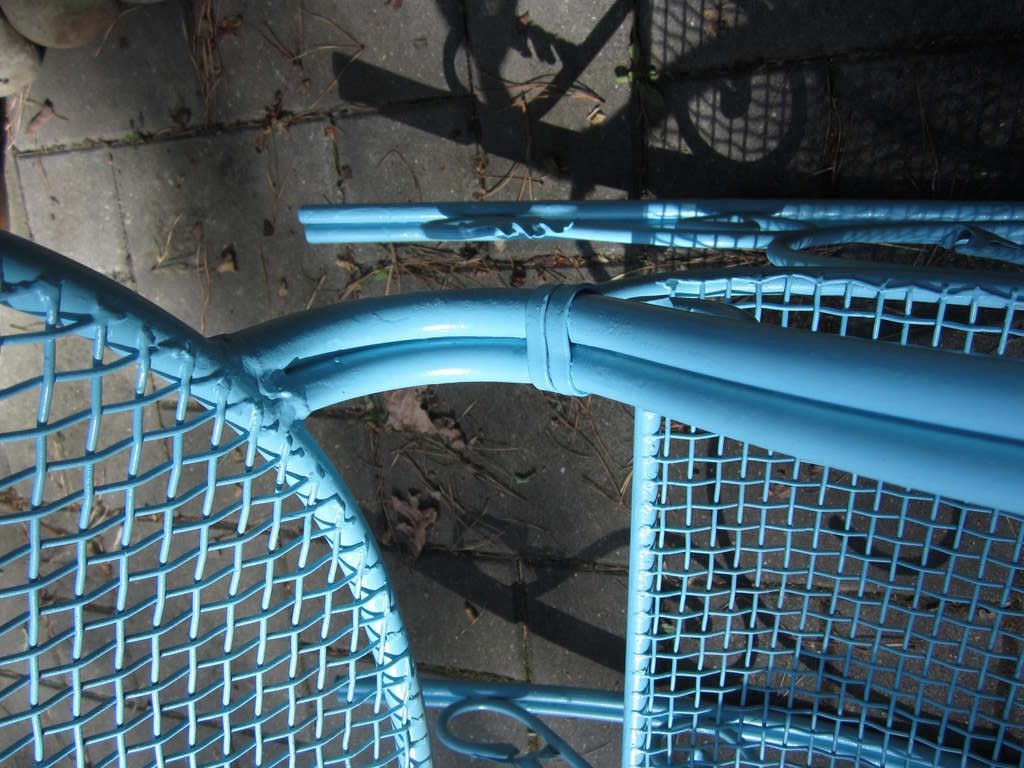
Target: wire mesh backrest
<point>800,614</point>
<point>176,587</point>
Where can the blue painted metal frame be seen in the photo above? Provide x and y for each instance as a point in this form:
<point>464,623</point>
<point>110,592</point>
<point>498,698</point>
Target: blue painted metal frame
<point>993,230</point>
<point>901,410</point>
<point>71,299</point>
<point>640,614</point>
<point>796,390</point>
<point>748,730</point>
<point>790,393</point>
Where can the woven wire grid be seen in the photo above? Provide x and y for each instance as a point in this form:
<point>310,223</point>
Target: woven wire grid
<point>789,600</point>
<point>173,591</point>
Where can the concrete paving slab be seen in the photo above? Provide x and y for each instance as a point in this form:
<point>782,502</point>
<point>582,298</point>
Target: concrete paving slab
<point>600,744</point>
<point>541,546</point>
<point>556,122</point>
<point>275,59</point>
<point>747,99</point>
<point>403,154</point>
<point>344,436</point>
<point>72,206</point>
<point>545,493</point>
<point>407,154</point>
<point>901,135</point>
<point>550,101</point>
<point>757,132</point>
<point>705,34</point>
<point>375,270</point>
<point>418,48</point>
<point>216,203</point>
<point>460,614</point>
<point>139,80</point>
<point>17,215</point>
<point>492,494</point>
<point>576,622</point>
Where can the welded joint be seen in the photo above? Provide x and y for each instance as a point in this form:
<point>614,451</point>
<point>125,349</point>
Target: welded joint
<point>548,349</point>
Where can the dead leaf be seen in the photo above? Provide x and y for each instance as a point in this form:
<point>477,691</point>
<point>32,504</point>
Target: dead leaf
<point>596,116</point>
<point>472,612</point>
<point>407,411</point>
<point>413,522</point>
<point>448,430</point>
<point>282,289</point>
<point>228,260</point>
<point>12,501</point>
<point>40,119</point>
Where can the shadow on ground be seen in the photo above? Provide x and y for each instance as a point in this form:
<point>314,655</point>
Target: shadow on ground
<point>748,98</point>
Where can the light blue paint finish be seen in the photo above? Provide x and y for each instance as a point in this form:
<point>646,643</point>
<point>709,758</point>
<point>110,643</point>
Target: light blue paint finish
<point>74,300</point>
<point>555,701</point>
<point>795,389</point>
<point>552,745</point>
<point>641,614</point>
<point>990,230</point>
<point>699,348</point>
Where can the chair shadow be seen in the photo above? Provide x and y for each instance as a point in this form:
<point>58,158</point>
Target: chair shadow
<point>739,98</point>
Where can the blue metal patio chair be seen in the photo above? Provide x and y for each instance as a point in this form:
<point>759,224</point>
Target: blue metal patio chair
<point>826,542</point>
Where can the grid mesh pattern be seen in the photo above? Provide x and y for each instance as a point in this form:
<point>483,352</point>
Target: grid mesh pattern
<point>172,592</point>
<point>804,615</point>
<point>859,108</point>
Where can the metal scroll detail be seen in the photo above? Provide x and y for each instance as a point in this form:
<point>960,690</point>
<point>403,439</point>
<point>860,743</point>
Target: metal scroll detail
<point>554,745</point>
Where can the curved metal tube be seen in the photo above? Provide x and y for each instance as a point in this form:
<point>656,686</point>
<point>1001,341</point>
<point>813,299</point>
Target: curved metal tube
<point>558,701</point>
<point>554,745</point>
<point>904,415</point>
<point>323,332</point>
<point>747,729</point>
<point>751,729</point>
<point>361,372</point>
<point>973,239</point>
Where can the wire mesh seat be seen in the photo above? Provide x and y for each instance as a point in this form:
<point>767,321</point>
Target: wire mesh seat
<point>826,540</point>
<point>185,579</point>
<point>794,612</point>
